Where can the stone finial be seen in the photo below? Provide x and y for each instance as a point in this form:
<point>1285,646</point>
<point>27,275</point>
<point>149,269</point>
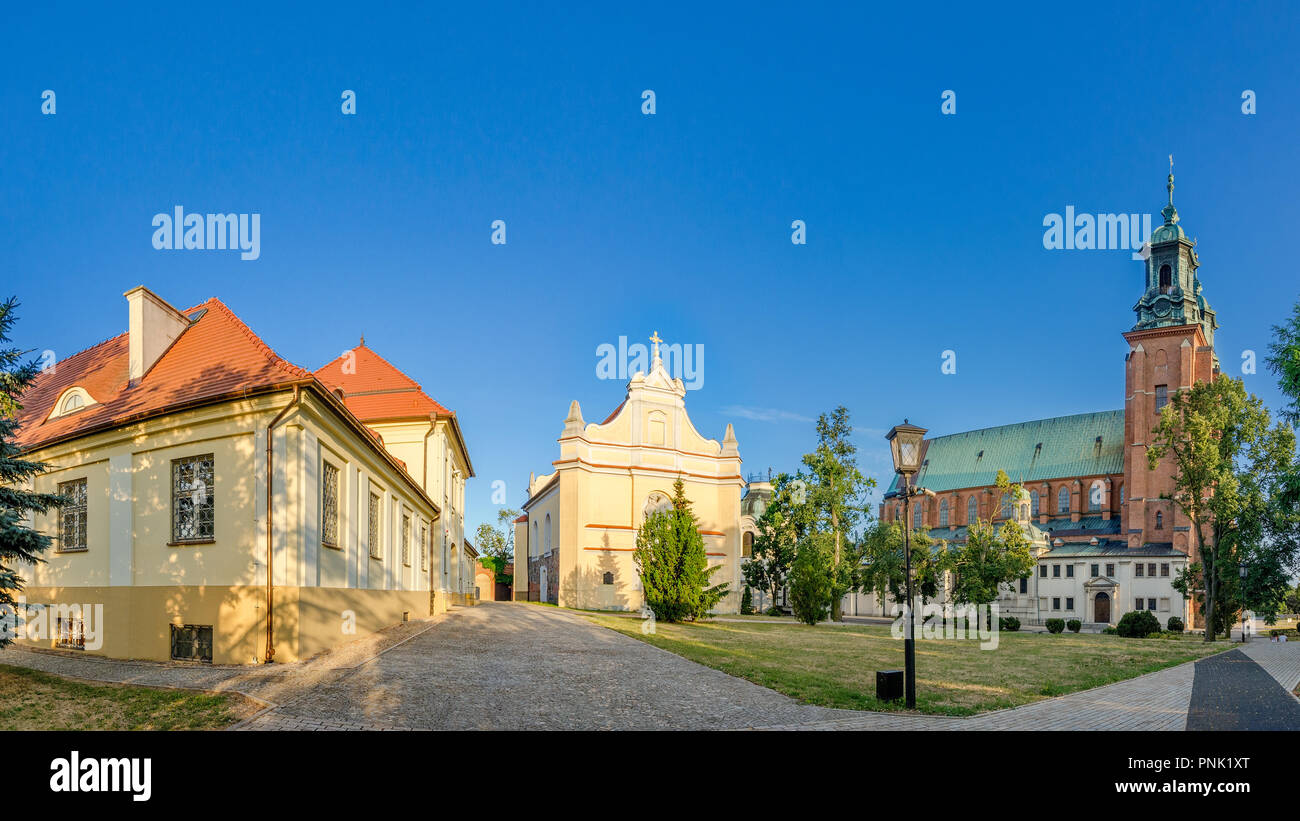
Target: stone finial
<point>573,423</point>
<point>730,447</point>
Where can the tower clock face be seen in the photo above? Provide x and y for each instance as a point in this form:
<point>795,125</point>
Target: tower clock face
<point>1162,308</point>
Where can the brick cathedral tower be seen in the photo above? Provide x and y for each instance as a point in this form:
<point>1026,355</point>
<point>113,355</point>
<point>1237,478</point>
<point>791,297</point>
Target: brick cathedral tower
<point>1170,348</point>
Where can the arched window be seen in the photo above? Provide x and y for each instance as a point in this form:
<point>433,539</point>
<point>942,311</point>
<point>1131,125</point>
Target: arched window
<point>1004,509</point>
<point>547,537</point>
<point>747,545</point>
<point>943,513</point>
<point>1160,520</point>
<point>73,402</point>
<point>535,549</point>
<point>609,578</point>
<point>972,510</point>
<point>916,517</point>
<point>1033,502</point>
<point>1166,279</point>
<point>1094,497</point>
<point>1063,501</point>
<point>1121,495</point>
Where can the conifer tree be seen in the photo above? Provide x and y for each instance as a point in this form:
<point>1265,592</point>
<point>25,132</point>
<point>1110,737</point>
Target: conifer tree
<point>19,543</point>
<point>672,564</point>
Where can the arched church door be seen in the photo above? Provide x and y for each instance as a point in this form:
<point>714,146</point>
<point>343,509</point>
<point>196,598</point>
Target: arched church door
<point>1101,609</point>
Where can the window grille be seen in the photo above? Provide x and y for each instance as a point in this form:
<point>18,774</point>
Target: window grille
<point>72,530</point>
<point>329,505</point>
<point>193,503</point>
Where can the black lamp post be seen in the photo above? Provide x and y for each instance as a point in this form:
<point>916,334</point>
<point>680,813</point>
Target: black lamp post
<point>1242,569</point>
<point>905,446</point>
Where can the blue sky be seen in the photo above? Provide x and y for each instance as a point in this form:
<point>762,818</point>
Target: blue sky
<point>924,231</point>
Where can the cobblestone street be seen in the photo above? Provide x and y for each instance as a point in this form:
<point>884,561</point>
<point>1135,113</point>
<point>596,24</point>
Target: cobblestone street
<point>519,666</point>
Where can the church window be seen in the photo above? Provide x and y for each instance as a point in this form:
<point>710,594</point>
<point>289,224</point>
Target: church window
<point>406,540</point>
<point>1033,502</point>
<point>1094,497</point>
<point>1121,495</point>
<point>1063,501</point>
<point>972,510</point>
<point>547,536</point>
<point>609,578</point>
<point>916,517</point>
<point>1162,396</point>
<point>1166,279</point>
<point>943,513</point>
<point>73,402</point>
<point>1005,508</point>
<point>747,546</point>
<point>534,549</point>
<point>1160,520</point>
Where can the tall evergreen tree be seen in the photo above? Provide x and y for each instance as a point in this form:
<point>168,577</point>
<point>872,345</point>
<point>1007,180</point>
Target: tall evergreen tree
<point>672,564</point>
<point>19,543</point>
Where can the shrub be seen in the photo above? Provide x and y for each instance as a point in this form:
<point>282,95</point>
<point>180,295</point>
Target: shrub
<point>774,611</point>
<point>1075,625</point>
<point>1009,623</point>
<point>1175,625</point>
<point>1055,625</point>
<point>747,602</point>
<point>1108,631</point>
<point>1138,624</point>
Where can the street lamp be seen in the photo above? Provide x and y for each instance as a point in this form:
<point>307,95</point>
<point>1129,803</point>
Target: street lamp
<point>1241,568</point>
<point>905,445</point>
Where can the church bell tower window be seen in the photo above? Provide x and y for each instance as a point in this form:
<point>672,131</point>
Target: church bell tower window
<point>1166,279</point>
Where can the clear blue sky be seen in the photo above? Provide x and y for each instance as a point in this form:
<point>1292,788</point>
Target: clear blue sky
<point>924,231</point>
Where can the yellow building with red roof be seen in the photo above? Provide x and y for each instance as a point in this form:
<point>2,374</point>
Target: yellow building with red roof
<point>228,505</point>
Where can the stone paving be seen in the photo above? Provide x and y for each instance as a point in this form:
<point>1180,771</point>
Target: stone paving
<point>520,666</point>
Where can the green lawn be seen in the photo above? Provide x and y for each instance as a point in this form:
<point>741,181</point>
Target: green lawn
<point>836,666</point>
<point>31,700</point>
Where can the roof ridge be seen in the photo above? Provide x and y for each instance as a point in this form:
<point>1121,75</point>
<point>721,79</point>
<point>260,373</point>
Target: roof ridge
<point>266,350</point>
<point>1025,422</point>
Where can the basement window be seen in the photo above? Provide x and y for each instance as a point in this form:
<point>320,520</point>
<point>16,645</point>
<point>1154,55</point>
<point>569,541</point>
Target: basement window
<point>192,642</point>
<point>70,633</point>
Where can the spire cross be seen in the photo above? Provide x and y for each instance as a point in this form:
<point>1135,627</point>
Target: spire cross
<point>1171,179</point>
<point>654,338</point>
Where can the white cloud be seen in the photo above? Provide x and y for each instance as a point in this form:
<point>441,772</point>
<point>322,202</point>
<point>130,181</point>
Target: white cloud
<point>764,414</point>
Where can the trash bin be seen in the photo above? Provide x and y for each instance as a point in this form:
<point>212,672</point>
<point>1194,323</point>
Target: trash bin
<point>889,684</point>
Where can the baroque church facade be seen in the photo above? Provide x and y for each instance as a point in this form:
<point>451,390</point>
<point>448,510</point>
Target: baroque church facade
<point>1106,535</point>
<point>579,525</point>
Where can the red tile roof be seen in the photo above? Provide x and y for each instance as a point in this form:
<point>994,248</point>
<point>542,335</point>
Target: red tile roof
<point>215,356</point>
<point>374,389</point>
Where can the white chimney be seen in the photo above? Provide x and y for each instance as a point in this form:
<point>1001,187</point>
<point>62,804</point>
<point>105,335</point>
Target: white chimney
<point>154,326</point>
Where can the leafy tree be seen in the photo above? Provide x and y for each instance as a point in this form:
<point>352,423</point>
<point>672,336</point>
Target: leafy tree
<point>671,561</point>
<point>1293,600</point>
<point>882,568</point>
<point>837,493</point>
<point>991,556</point>
<point>497,544</point>
<point>812,580</point>
<point>1230,473</point>
<point>784,521</point>
<point>19,543</point>
<point>1284,360</point>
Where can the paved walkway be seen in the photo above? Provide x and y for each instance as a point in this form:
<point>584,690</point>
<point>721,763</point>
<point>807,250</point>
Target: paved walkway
<point>1239,691</point>
<point>519,666</point>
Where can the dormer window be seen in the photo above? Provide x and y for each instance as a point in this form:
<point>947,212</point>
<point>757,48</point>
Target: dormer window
<point>72,400</point>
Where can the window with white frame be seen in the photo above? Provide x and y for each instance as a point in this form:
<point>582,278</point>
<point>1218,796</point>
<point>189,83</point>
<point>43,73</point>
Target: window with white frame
<point>329,505</point>
<point>72,516</point>
<point>193,499</point>
<point>424,547</point>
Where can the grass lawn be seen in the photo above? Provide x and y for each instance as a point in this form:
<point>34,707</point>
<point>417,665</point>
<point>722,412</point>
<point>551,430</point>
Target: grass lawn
<point>836,666</point>
<point>32,700</point>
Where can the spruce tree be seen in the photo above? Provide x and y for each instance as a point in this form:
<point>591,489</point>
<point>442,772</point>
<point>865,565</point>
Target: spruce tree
<point>18,542</point>
<point>671,561</point>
